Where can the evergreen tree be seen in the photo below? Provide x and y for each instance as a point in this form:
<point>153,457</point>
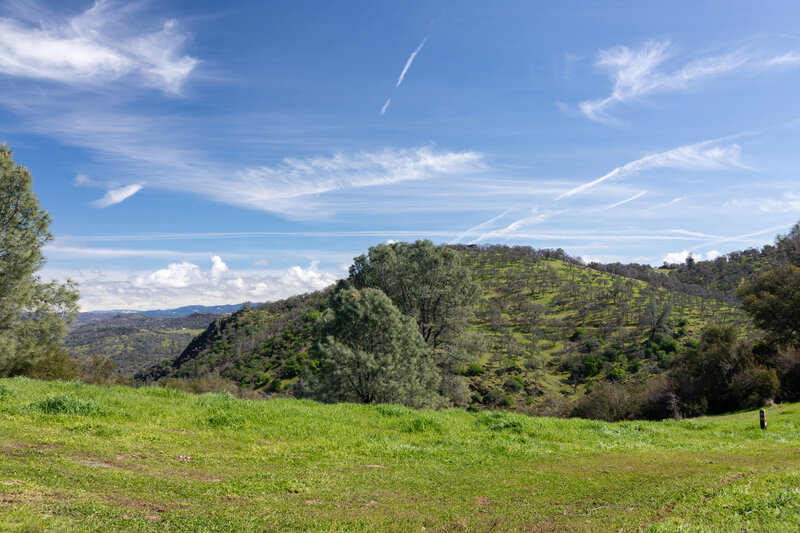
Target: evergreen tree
<point>373,354</point>
<point>33,314</point>
<point>432,285</point>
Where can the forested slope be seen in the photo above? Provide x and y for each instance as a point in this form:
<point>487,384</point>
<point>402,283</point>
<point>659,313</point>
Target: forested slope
<point>550,327</point>
<point>134,341</point>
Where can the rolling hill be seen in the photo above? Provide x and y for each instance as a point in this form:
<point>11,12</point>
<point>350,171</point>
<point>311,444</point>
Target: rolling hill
<point>552,326</point>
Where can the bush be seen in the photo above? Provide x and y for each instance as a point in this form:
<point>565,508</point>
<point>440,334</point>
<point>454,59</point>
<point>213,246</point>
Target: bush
<point>497,398</point>
<point>605,402</point>
<point>514,384</point>
<point>66,405</point>
<point>474,369</point>
<point>55,364</point>
<point>754,387</point>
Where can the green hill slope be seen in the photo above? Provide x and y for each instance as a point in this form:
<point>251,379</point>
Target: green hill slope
<point>134,341</point>
<point>552,327</point>
<point>87,458</point>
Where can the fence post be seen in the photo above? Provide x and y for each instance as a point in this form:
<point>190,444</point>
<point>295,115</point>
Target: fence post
<point>762,415</point>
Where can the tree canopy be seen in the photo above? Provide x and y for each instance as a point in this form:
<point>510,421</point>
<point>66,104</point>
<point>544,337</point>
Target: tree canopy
<point>33,313</point>
<point>773,299</point>
<point>373,354</point>
<point>427,282</point>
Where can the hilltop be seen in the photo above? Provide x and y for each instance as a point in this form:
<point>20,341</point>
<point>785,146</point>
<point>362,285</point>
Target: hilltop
<point>551,327</point>
<point>89,458</point>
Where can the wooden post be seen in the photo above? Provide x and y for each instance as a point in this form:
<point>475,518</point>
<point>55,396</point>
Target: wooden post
<point>762,414</point>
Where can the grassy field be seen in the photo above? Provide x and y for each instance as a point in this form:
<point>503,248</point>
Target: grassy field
<point>81,458</point>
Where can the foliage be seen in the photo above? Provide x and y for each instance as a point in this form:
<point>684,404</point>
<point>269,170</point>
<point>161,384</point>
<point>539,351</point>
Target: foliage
<point>773,299</point>
<point>754,386</point>
<point>371,353</point>
<point>33,314</point>
<point>56,364</point>
<point>429,283</point>
<point>98,370</point>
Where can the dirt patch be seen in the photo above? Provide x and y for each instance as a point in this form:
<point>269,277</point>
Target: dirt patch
<point>12,482</point>
<point>97,464</point>
<point>312,502</point>
<point>183,459</point>
<point>374,466</point>
<point>736,477</point>
<point>482,501</point>
<point>26,498</point>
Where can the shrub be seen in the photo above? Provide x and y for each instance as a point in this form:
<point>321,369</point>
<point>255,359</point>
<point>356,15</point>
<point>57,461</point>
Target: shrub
<point>605,402</point>
<point>754,386</point>
<point>474,369</point>
<point>513,384</point>
<point>497,398</point>
<point>66,405</point>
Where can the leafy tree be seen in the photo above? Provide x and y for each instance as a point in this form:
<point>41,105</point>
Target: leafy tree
<point>373,354</point>
<point>773,299</point>
<point>427,282</point>
<point>432,285</point>
<point>33,314</point>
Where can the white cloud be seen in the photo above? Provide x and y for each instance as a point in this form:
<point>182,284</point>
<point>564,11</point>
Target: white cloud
<point>115,196</point>
<point>675,257</point>
<point>636,73</point>
<point>386,106</point>
<point>95,47</point>
<point>625,201</point>
<point>112,253</point>
<point>408,63</point>
<point>680,257</point>
<point>261,263</point>
<point>274,188</point>
<point>186,283</point>
<point>706,155</point>
<point>789,202</point>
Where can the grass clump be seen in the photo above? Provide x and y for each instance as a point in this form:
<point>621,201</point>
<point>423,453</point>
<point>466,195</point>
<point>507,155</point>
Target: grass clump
<point>66,405</point>
<point>497,421</point>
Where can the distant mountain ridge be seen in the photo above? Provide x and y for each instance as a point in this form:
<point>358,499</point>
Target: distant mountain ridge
<point>94,316</point>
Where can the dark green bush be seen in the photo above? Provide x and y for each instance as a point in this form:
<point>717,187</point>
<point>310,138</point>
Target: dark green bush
<point>474,369</point>
<point>754,387</point>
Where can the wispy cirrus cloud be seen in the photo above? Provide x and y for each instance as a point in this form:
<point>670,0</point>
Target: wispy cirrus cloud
<point>625,201</point>
<point>115,196</point>
<point>651,69</point>
<point>386,106</point>
<point>95,47</point>
<point>705,155</point>
<point>403,73</point>
<point>410,61</point>
<point>788,202</point>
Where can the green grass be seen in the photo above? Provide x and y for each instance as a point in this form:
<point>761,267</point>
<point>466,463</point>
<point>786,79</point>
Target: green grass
<point>75,457</point>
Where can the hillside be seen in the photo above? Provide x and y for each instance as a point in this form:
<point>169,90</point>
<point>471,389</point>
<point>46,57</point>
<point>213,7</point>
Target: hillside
<point>135,341</point>
<point>552,326</point>
<point>88,458</point>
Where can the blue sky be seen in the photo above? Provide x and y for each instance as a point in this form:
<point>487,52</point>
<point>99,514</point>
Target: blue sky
<point>204,152</point>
